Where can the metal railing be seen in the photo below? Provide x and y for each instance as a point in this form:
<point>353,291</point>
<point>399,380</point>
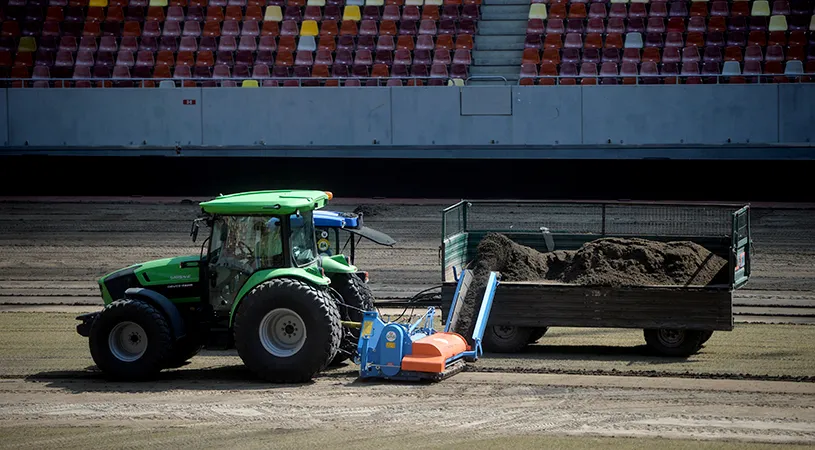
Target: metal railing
<point>591,217</point>
<point>525,80</point>
<point>226,82</point>
<point>751,78</point>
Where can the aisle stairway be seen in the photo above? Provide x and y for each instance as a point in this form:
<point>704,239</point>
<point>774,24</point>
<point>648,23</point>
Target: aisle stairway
<point>499,42</point>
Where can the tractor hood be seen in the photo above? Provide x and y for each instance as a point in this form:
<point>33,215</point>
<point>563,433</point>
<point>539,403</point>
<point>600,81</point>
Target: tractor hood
<point>172,277</point>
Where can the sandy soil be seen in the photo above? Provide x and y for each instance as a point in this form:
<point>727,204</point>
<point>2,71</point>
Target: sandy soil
<point>466,407</point>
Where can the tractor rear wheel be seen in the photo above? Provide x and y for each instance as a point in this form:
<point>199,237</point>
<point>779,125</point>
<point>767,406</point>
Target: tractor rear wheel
<point>287,330</point>
<point>130,340</point>
<point>357,298</point>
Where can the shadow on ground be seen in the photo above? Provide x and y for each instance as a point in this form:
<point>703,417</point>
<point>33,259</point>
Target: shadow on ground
<point>588,353</point>
<point>212,378</point>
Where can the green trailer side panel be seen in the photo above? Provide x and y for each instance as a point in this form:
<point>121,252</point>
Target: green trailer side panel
<point>740,259</point>
<point>310,275</point>
<point>455,254</point>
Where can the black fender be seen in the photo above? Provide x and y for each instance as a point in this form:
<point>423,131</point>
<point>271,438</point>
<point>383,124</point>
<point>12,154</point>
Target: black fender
<point>163,304</point>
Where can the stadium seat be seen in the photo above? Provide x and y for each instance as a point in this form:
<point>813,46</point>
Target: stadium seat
<point>760,8</point>
<point>299,37</point>
<point>538,11</point>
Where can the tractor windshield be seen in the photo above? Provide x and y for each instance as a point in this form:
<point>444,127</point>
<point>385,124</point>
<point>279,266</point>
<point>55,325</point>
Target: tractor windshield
<point>303,248</point>
<point>247,243</point>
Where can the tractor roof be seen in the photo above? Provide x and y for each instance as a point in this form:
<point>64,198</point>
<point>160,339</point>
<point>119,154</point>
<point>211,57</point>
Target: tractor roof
<point>267,202</point>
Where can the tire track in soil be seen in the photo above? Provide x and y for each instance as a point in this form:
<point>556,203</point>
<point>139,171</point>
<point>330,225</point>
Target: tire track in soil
<point>499,408</point>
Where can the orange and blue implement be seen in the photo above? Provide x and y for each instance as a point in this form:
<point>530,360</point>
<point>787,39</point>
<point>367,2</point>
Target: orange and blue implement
<point>399,351</point>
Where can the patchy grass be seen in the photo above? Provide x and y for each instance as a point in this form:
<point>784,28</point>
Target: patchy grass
<point>46,344</point>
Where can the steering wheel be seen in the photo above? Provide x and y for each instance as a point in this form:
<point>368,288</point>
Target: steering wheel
<point>247,249</point>
<point>234,264</point>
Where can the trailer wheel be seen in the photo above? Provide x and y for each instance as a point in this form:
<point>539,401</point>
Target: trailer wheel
<point>537,333</point>
<point>287,330</point>
<point>506,338</point>
<point>357,295</point>
<point>705,336</point>
<point>673,342</point>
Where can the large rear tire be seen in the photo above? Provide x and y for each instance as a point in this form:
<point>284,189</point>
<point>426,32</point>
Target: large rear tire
<point>357,295</point>
<point>130,340</point>
<point>506,338</point>
<point>286,330</point>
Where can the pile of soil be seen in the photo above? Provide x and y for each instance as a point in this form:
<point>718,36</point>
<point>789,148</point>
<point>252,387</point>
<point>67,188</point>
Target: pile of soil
<point>609,262</point>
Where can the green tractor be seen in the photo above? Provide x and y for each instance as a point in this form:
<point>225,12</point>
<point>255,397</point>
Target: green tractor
<point>259,285</point>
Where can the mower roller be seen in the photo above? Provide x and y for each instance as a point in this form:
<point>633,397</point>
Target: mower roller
<point>413,352</point>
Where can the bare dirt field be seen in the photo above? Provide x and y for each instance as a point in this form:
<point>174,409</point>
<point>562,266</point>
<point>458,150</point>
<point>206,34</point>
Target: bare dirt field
<point>576,388</point>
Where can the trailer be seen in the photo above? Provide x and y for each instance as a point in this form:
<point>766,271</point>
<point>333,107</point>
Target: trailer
<point>676,320</point>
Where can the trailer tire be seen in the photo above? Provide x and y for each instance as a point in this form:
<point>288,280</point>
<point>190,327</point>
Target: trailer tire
<point>673,342</point>
<point>287,330</point>
<point>357,295</point>
<point>506,338</point>
<point>705,336</point>
<point>537,333</point>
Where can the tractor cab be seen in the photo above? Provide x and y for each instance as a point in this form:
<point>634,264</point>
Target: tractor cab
<point>253,234</point>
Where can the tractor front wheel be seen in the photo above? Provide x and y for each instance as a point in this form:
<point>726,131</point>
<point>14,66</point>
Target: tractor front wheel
<point>357,298</point>
<point>287,330</point>
<point>130,340</point>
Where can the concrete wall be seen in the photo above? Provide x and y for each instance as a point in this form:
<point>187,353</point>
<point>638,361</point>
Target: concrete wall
<point>434,118</point>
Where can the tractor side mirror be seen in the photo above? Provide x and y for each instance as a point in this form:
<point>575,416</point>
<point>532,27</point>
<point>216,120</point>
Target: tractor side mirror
<point>194,230</point>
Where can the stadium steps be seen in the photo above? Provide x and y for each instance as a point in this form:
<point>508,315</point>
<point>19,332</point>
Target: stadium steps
<point>499,42</point>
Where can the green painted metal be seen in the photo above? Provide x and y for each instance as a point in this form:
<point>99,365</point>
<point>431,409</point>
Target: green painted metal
<point>106,297</point>
<point>311,274</point>
<point>165,271</point>
<point>742,243</point>
<point>279,202</point>
<point>337,264</point>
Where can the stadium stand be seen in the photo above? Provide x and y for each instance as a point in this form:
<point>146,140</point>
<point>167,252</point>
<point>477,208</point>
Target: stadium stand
<point>668,41</point>
<point>105,43</point>
<point>208,43</point>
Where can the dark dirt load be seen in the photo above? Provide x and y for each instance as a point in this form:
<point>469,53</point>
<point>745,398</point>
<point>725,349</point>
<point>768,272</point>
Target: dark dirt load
<point>608,262</point>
